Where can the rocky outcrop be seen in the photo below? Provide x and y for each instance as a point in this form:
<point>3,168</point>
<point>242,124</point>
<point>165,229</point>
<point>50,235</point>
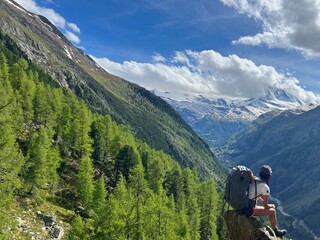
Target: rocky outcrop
<point>35,225</point>
<point>242,228</point>
<point>54,230</point>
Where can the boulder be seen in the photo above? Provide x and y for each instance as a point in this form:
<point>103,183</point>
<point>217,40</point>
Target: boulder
<point>242,228</point>
<point>56,232</point>
<point>49,220</point>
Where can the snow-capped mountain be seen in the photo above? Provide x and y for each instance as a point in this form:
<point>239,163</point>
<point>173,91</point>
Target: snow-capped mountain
<point>215,119</point>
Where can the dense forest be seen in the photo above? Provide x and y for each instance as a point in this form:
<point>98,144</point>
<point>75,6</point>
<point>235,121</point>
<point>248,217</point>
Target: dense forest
<point>55,150</point>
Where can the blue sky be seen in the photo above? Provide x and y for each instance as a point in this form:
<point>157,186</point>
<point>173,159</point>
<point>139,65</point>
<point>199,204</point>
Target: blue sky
<point>231,48</point>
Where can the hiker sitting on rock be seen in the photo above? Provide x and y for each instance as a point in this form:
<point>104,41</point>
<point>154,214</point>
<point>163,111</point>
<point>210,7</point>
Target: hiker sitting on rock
<point>259,190</point>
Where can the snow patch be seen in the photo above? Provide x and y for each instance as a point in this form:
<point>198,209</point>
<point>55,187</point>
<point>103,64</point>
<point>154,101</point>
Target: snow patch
<point>67,52</point>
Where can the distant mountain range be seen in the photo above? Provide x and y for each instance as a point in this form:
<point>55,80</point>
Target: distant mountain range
<point>289,142</point>
<point>215,119</point>
<point>151,119</point>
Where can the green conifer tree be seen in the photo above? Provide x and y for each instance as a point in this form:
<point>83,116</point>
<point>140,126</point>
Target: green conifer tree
<point>64,124</point>
<point>169,220</point>
<point>101,145</point>
<point>81,141</point>
<point>141,194</point>
<point>99,195</point>
<point>36,169</point>
<point>53,164</point>
<point>156,174</point>
<point>78,230</point>
<point>18,73</point>
<point>10,157</point>
<point>126,160</point>
<point>115,146</point>
<point>84,181</point>
<point>173,184</point>
<point>183,229</point>
<point>208,208</point>
<point>42,111</point>
<point>26,98</point>
<point>112,221</point>
<point>192,206</point>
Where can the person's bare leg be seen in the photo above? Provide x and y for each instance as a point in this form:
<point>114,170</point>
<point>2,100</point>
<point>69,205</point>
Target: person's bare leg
<point>271,212</point>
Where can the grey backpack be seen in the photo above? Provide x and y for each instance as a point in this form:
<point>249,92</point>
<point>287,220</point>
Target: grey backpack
<point>237,188</point>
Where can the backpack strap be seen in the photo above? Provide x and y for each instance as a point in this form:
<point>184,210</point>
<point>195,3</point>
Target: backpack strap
<point>255,193</point>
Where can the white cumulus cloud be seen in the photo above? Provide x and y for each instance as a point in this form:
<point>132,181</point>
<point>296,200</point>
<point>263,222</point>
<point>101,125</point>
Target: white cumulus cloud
<point>286,23</point>
<point>53,17</point>
<point>74,27</point>
<point>157,57</point>
<point>210,73</point>
<point>72,37</point>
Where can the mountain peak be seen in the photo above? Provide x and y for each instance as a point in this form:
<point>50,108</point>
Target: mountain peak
<point>217,118</point>
<point>277,94</point>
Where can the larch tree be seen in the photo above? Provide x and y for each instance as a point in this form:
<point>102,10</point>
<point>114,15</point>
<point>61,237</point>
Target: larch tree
<point>84,181</point>
<point>10,157</point>
<point>101,144</point>
<point>156,174</point>
<point>18,73</point>
<point>99,195</point>
<point>36,173</point>
<point>81,141</point>
<point>208,210</point>
<point>141,194</point>
<point>78,230</point>
<point>113,220</point>
<point>41,108</point>
<point>53,164</point>
<point>64,123</point>
<point>192,206</point>
<point>26,95</point>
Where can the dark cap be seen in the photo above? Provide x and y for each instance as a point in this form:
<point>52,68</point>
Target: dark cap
<point>266,170</point>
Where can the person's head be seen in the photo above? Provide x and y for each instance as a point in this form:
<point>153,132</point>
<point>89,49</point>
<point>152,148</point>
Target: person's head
<point>265,173</point>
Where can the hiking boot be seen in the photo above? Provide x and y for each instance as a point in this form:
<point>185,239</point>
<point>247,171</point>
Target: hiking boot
<point>280,233</point>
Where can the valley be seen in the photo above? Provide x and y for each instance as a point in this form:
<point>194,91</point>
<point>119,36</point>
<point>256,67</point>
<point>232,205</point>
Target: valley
<point>114,160</point>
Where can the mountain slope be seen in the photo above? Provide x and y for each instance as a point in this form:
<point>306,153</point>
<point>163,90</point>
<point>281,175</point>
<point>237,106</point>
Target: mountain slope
<point>67,173</point>
<point>289,142</point>
<point>151,119</point>
<point>215,119</point>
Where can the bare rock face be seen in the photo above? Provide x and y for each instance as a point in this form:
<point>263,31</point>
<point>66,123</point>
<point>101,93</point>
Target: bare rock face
<point>242,228</point>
